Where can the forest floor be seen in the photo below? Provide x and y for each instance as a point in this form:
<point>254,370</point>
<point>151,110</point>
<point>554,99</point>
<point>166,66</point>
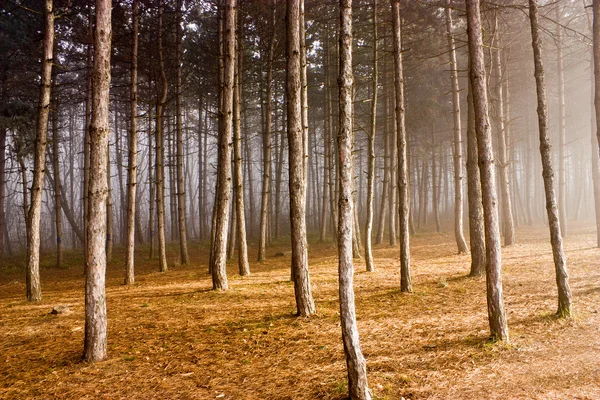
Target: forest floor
<point>171,337</point>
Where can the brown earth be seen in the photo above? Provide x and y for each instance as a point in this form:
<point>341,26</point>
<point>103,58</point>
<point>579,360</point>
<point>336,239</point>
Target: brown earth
<point>171,337</point>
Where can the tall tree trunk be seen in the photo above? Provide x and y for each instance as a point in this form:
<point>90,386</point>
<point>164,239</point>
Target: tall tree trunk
<point>238,179</point>
<point>152,190</point>
<point>57,181</point>
<point>266,183</point>
<point>109,208</point>
<point>95,296</point>
<point>506,198</point>
<point>3,238</point>
<point>34,290</point>
<point>181,206</point>
<point>132,157</point>
<point>222,198</point>
<point>356,364</point>
<point>403,196</point>
<point>160,147</point>
<point>476,223</point>
<point>562,129</point>
<point>435,186</point>
<point>88,121</point>
<point>458,166</point>
<point>477,75</point>
<point>371,147</point>
<point>554,224</point>
<point>596,46</point>
<point>297,176</point>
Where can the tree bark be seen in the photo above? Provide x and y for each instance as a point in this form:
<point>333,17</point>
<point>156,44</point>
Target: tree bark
<point>132,157</point>
<point>266,183</point>
<point>181,203</point>
<point>505,192</point>
<point>458,163</point>
<point>560,262</point>
<point>297,176</point>
<point>403,196</point>
<point>95,296</point>
<point>562,129</point>
<point>57,181</point>
<point>238,179</point>
<point>476,223</point>
<point>356,364</point>
<point>219,270</point>
<point>477,75</point>
<point>160,147</point>
<point>371,148</point>
<point>34,290</point>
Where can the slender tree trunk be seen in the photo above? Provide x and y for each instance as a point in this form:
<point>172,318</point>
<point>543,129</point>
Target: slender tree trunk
<point>152,186</point>
<point>219,271</point>
<point>506,198</point>
<point>238,179</point>
<point>435,185</point>
<point>458,166</point>
<point>181,205</point>
<point>119,164</point>
<point>34,290</point>
<point>57,181</point>
<point>109,208</point>
<point>562,129</point>
<point>3,237</point>
<point>477,75</point>
<point>403,196</point>
<point>132,157</point>
<point>95,296</point>
<point>560,262</point>
<point>356,364</point>
<point>371,147</point>
<point>297,176</point>
<point>266,183</point>
<point>596,52</point>
<point>88,121</point>
<point>160,148</point>
<point>393,205</point>
<point>476,223</point>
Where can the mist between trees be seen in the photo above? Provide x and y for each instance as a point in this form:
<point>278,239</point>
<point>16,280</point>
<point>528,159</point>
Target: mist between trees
<point>233,125</point>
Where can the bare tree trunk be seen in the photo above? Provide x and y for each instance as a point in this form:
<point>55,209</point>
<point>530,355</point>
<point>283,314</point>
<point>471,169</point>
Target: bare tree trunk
<point>160,148</point>
<point>3,237</point>
<point>266,183</point>
<point>119,164</point>
<point>386,173</point>
<point>329,144</point>
<point>403,197</point>
<point>88,121</point>
<point>356,364</point>
<point>95,296</point>
<point>476,223</point>
<point>57,181</point>
<point>109,208</point>
<point>560,262</point>
<point>152,185</point>
<point>371,147</point>
<point>393,205</point>
<point>219,271</point>
<point>297,180</point>
<point>34,290</point>
<point>596,46</point>
<point>458,166</point>
<point>181,205</point>
<point>238,179</point>
<point>506,198</point>
<point>477,75</point>
<point>132,157</point>
<point>562,130</point>
<point>435,185</point>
